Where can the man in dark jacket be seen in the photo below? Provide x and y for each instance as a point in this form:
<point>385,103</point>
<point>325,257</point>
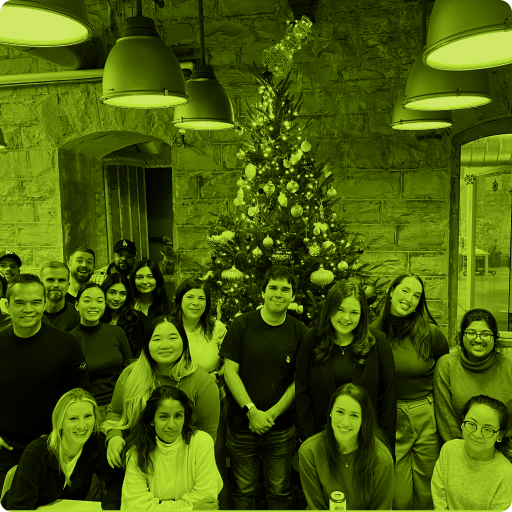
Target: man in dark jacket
<point>38,364</point>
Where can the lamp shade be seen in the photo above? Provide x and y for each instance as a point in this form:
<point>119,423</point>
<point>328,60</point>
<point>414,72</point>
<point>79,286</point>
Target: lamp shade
<point>141,71</point>
<point>210,107</point>
<point>404,119</point>
<point>469,34</point>
<point>44,22</point>
<point>433,89</point>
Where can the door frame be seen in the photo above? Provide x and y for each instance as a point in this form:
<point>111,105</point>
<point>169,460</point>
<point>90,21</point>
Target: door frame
<point>487,128</point>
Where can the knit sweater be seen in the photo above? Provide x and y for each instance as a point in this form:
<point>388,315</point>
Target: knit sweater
<point>66,319</point>
<point>198,386</point>
<point>461,483</point>
<point>44,367</point>
<point>454,385</point>
<point>183,475</point>
<point>38,481</point>
<point>107,352</point>
<point>318,482</point>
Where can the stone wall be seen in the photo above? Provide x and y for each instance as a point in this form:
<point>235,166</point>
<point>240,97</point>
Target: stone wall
<point>395,187</point>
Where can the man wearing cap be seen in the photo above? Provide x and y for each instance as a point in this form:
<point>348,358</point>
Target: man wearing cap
<point>10,264</point>
<point>38,364</point>
<point>124,259</point>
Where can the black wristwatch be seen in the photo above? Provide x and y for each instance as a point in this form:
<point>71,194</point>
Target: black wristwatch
<point>247,407</point>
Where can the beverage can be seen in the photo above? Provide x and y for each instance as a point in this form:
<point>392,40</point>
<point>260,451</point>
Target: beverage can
<point>337,501</point>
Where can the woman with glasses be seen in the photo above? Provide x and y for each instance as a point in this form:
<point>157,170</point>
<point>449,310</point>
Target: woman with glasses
<point>479,366</point>
<point>471,474</point>
<point>417,344</point>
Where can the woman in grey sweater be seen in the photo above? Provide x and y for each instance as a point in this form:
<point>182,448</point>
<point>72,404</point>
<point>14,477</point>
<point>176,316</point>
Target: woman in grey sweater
<point>471,474</point>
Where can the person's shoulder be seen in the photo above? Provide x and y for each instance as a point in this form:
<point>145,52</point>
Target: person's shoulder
<point>202,439</point>
<point>38,446</point>
<point>447,361</point>
<point>383,454</point>
<point>54,335</point>
<point>298,324</point>
<point>379,336</point>
<point>114,329</point>
<point>313,443</point>
<point>200,378</point>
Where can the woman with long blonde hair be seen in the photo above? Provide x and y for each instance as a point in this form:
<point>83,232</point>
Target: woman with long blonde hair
<point>164,360</point>
<point>61,465</point>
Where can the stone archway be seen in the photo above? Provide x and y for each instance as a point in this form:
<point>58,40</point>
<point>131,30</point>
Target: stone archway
<point>487,128</point>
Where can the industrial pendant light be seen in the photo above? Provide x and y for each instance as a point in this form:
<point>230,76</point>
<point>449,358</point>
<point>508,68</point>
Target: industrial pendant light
<point>469,34</point>
<point>210,107</point>
<point>141,71</point>
<point>44,22</point>
<point>404,119</point>
<point>434,89</point>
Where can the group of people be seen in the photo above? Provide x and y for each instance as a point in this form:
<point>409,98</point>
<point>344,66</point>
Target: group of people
<point>136,400</point>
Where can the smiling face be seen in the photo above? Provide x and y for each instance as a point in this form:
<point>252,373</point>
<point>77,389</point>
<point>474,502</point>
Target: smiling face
<point>169,419</point>
<point>91,306</point>
<point>123,261</point>
<point>144,280</point>
<point>56,283</point>
<point>26,305</point>
<point>346,420</point>
<point>77,426</point>
<point>116,296</point>
<point>166,345</point>
<point>477,445</point>
<point>81,267</point>
<point>193,304</point>
<point>347,317</point>
<point>277,296</point>
<point>9,268</point>
<point>478,348</point>
<point>406,296</point>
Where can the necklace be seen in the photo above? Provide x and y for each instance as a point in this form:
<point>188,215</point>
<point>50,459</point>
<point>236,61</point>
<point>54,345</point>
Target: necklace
<point>346,463</point>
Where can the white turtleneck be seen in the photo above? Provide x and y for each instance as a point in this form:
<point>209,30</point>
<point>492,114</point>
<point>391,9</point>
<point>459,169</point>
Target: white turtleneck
<point>184,474</point>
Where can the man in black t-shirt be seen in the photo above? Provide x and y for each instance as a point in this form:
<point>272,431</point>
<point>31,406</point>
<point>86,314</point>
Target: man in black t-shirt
<point>38,364</point>
<point>260,350</point>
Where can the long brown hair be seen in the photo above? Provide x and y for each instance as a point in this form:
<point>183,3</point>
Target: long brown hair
<point>366,439</point>
<point>363,338</point>
<point>417,323</point>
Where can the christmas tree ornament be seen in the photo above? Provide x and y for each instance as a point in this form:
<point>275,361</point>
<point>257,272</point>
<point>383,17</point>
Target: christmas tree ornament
<point>241,182</point>
<point>287,163</point>
<point>236,314</point>
<point>314,249</point>
<point>240,195</point>
<point>332,193</point>
<point>257,252</point>
<point>250,171</point>
<point>283,200</point>
<point>316,231</point>
<point>321,210</point>
<point>333,215</point>
<point>306,240</point>
<point>306,146</point>
<point>297,210</point>
<point>237,202</point>
<point>296,157</point>
<point>228,235</point>
<point>292,186</point>
<point>328,246</point>
<point>269,188</point>
<point>232,275</point>
<point>321,277</point>
<point>222,240</point>
<point>342,265</point>
<point>369,290</point>
<point>268,242</point>
<point>241,154</point>
<point>251,211</point>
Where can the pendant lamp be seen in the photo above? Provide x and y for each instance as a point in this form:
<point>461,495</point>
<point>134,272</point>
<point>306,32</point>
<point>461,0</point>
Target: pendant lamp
<point>210,107</point>
<point>141,71</point>
<point>404,119</point>
<point>469,34</point>
<point>44,22</point>
<point>433,89</point>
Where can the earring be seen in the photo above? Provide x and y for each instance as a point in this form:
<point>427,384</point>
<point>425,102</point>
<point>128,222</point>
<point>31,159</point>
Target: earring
<point>152,424</point>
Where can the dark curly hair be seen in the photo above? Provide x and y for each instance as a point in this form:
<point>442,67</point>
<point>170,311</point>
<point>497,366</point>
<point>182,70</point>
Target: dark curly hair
<point>142,437</point>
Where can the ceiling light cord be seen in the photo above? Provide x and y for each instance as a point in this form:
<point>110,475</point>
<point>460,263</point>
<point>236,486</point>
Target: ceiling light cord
<point>423,25</point>
<point>201,30</point>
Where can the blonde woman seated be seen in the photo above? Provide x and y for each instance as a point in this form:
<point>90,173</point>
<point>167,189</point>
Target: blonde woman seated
<point>61,465</point>
<point>471,473</point>
<point>164,360</point>
<point>351,455</point>
<point>169,464</point>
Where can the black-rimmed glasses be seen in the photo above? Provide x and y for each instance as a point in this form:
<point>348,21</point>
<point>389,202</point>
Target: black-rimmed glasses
<point>473,427</point>
<point>484,336</point>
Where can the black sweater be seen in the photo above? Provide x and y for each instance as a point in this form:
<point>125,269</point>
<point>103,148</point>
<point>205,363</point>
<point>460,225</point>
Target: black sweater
<point>39,369</point>
<point>38,481</point>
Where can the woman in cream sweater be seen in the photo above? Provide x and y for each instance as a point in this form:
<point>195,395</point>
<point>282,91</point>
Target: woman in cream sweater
<point>169,464</point>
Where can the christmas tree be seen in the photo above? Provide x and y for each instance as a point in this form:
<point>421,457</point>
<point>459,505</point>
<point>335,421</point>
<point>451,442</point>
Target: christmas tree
<point>283,215</point>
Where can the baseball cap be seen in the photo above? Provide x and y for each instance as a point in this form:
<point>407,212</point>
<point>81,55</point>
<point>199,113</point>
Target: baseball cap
<point>10,254</point>
<point>125,244</point>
